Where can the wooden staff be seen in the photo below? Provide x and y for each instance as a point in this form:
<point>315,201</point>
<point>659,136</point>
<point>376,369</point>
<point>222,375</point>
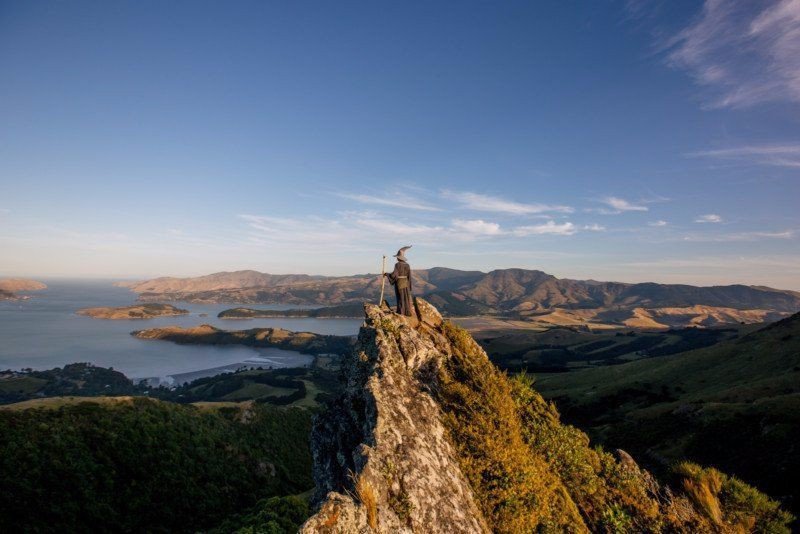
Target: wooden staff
<point>383,279</point>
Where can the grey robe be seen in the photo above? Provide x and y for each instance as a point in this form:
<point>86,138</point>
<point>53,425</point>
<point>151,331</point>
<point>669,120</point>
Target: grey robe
<point>400,278</point>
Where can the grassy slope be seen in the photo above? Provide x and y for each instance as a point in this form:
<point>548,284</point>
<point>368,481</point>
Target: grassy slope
<point>532,473</point>
<point>77,383</point>
<point>762,364</point>
<point>78,379</point>
<point>272,386</point>
<point>54,403</point>
<point>22,385</point>
<point>562,349</point>
<point>735,405</point>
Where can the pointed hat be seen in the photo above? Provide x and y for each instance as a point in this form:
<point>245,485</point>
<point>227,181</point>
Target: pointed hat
<point>401,253</point>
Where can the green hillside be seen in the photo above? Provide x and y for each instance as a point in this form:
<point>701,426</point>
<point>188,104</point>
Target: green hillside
<point>141,465</point>
<point>81,379</point>
<point>734,405</point>
<point>564,349</point>
<point>307,387</point>
<point>133,464</point>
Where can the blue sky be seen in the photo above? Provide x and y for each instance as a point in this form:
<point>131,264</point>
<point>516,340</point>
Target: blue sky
<point>632,141</point>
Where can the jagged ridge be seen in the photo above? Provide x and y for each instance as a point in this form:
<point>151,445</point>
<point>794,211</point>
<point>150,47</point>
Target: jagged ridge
<point>429,436</point>
<point>384,437</point>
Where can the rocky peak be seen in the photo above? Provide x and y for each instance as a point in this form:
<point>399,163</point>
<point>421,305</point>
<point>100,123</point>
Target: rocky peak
<point>383,461</point>
<point>429,436</point>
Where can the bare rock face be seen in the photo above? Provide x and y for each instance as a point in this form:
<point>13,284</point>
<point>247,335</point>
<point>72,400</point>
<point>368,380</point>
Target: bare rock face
<point>382,460</point>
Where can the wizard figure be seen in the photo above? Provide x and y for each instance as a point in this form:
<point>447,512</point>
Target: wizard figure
<point>400,278</point>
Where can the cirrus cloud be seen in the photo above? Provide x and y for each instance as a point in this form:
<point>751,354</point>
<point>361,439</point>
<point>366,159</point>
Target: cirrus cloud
<point>479,202</point>
<point>594,227</point>
<point>743,52</point>
<point>740,236</point>
<point>777,155</point>
<point>550,227</point>
<point>478,227</point>
<point>395,200</point>
<point>616,206</point>
<point>708,218</point>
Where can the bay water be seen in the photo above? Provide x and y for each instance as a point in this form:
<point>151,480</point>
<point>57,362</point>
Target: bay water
<point>45,332</point>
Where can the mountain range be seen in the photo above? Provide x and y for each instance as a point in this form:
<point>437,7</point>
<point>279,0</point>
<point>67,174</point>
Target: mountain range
<point>540,297</point>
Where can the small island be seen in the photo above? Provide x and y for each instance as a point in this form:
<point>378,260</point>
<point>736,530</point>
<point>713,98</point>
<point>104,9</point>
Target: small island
<point>306,342</point>
<point>9,287</point>
<point>137,311</point>
<point>345,311</point>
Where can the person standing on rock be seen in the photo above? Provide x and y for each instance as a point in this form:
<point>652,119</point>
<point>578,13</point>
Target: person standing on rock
<point>400,278</point>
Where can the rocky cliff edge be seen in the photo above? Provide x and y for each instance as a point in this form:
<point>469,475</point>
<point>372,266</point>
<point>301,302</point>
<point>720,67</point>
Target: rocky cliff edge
<point>429,436</point>
<point>383,462</point>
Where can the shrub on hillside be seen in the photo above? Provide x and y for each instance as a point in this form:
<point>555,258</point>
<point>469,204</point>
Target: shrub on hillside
<point>607,493</point>
<point>729,503</point>
<point>515,488</point>
<point>275,515</point>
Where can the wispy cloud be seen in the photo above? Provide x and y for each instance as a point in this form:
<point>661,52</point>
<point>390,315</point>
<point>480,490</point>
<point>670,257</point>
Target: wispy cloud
<point>708,218</point>
<point>594,228</point>
<point>108,241</point>
<point>616,206</point>
<point>740,236</point>
<point>782,262</point>
<point>300,232</point>
<point>397,228</point>
<point>779,155</point>
<point>658,223</point>
<point>395,200</point>
<point>772,270</point>
<point>479,202</point>
<point>550,227</point>
<point>478,227</point>
<point>357,230</point>
<point>350,230</point>
<point>623,205</point>
<point>744,52</point>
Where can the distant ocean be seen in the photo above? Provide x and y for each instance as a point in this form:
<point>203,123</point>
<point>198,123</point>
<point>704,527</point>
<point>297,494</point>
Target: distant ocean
<point>45,332</point>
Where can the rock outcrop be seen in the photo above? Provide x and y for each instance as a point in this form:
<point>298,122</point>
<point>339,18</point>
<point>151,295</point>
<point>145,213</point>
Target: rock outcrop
<point>383,461</point>
<point>429,436</point>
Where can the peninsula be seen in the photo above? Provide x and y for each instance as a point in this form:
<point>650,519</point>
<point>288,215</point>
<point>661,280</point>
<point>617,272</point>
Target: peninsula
<point>9,287</point>
<point>137,311</point>
<point>278,338</point>
<point>329,312</point>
